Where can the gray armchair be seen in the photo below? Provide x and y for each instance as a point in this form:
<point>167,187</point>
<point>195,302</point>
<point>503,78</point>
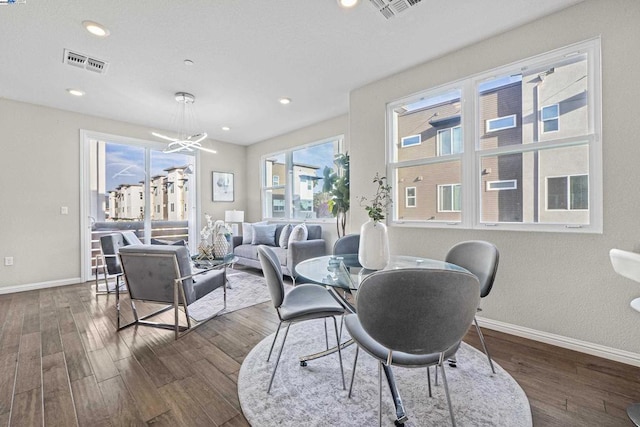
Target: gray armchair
<point>111,268</point>
<point>162,274</point>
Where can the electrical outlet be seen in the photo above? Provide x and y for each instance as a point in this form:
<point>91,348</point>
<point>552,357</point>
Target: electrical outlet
<point>64,210</point>
<point>8,260</point>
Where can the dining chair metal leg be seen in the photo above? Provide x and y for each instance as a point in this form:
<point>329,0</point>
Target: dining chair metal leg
<point>429,379</point>
<point>273,374</point>
<point>274,341</point>
<point>335,325</point>
<point>326,334</point>
<point>446,388</point>
<point>484,346</point>
<point>353,373</point>
<point>380,394</point>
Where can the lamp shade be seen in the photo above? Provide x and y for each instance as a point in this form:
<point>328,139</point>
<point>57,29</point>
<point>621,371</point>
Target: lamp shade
<point>234,216</point>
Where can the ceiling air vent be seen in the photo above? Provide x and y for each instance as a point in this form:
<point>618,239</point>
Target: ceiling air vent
<point>390,8</point>
<point>81,60</point>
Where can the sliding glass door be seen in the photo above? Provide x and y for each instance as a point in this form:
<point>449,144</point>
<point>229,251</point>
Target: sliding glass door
<point>133,185</point>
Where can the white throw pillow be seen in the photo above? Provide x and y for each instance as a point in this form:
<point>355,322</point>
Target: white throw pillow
<point>299,233</point>
<point>247,231</point>
<point>284,236</point>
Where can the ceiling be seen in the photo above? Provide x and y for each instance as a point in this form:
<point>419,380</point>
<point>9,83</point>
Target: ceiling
<point>247,54</point>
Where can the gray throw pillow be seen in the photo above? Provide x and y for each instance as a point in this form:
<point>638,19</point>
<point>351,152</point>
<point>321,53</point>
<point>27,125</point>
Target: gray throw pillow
<point>247,231</point>
<point>299,233</point>
<point>264,235</point>
<point>284,236</point>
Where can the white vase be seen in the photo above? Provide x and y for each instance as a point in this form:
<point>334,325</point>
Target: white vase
<point>220,246</point>
<point>374,245</point>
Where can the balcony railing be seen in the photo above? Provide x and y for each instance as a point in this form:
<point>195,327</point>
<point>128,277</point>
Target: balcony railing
<point>161,230</point>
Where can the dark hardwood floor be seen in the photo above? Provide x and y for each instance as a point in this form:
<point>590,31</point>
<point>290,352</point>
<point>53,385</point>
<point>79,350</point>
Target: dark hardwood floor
<point>62,363</point>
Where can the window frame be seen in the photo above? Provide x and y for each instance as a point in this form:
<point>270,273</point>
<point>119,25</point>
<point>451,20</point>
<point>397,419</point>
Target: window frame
<point>472,157</point>
<point>289,191</point>
<point>489,121</point>
<point>404,138</point>
<point>453,193</point>
<point>567,192</point>
<point>514,181</point>
<point>439,141</point>
<point>414,197</point>
<point>555,118</point>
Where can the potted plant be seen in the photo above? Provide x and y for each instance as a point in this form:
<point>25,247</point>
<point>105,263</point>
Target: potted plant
<point>374,241</point>
<point>337,186</point>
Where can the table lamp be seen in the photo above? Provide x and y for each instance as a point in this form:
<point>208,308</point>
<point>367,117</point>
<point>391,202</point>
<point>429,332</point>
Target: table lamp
<point>234,217</point>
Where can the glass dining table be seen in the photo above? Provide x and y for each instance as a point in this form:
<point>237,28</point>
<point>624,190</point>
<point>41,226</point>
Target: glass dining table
<point>342,275</point>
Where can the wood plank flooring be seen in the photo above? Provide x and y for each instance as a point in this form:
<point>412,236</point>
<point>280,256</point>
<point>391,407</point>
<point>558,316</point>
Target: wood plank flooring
<point>62,363</point>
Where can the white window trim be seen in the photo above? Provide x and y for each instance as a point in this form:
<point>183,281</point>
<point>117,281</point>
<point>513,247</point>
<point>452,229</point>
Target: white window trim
<point>414,197</point>
<point>542,120</point>
<point>472,159</point>
<point>489,121</point>
<point>452,193</point>
<point>546,189</point>
<point>439,140</point>
<point>404,138</point>
<point>514,187</point>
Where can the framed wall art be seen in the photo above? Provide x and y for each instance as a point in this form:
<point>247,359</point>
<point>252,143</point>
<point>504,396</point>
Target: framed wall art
<point>222,187</point>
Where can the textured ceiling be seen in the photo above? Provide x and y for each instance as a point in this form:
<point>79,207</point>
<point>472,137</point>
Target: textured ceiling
<point>246,53</point>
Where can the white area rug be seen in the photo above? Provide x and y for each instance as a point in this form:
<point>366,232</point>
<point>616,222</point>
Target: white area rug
<point>245,290</point>
<point>313,395</point>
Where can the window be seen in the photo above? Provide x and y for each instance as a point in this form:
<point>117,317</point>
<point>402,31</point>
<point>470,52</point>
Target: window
<point>523,139</point>
<point>449,198</point>
<point>173,208</point>
<point>568,192</point>
<point>550,116</point>
<point>450,141</point>
<point>410,197</point>
<point>510,184</point>
<point>408,141</point>
<point>293,181</point>
<point>501,123</point>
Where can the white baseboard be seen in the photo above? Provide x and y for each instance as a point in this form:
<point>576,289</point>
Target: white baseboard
<point>614,354</point>
<point>41,285</point>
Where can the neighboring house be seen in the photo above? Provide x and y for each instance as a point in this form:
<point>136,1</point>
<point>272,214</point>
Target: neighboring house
<point>304,180</point>
<point>539,106</point>
<point>169,198</point>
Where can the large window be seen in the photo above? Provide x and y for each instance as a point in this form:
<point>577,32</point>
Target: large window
<point>292,184</point>
<point>522,141</point>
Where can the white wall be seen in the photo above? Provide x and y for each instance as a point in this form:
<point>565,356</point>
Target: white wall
<point>40,157</point>
<point>549,282</point>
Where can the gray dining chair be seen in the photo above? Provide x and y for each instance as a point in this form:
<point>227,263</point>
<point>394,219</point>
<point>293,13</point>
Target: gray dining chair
<point>349,244</point>
<point>413,318</point>
<point>481,259</point>
<point>303,302</point>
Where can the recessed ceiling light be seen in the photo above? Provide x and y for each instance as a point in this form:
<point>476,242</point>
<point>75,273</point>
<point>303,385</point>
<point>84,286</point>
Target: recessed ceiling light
<point>188,62</point>
<point>96,29</point>
<point>226,128</point>
<point>75,92</point>
<point>347,3</point>
<point>285,101</point>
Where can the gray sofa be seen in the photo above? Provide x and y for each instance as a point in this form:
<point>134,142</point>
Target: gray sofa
<point>314,246</point>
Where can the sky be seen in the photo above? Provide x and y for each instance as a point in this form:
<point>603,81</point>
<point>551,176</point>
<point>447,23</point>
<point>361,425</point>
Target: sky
<point>125,164</point>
